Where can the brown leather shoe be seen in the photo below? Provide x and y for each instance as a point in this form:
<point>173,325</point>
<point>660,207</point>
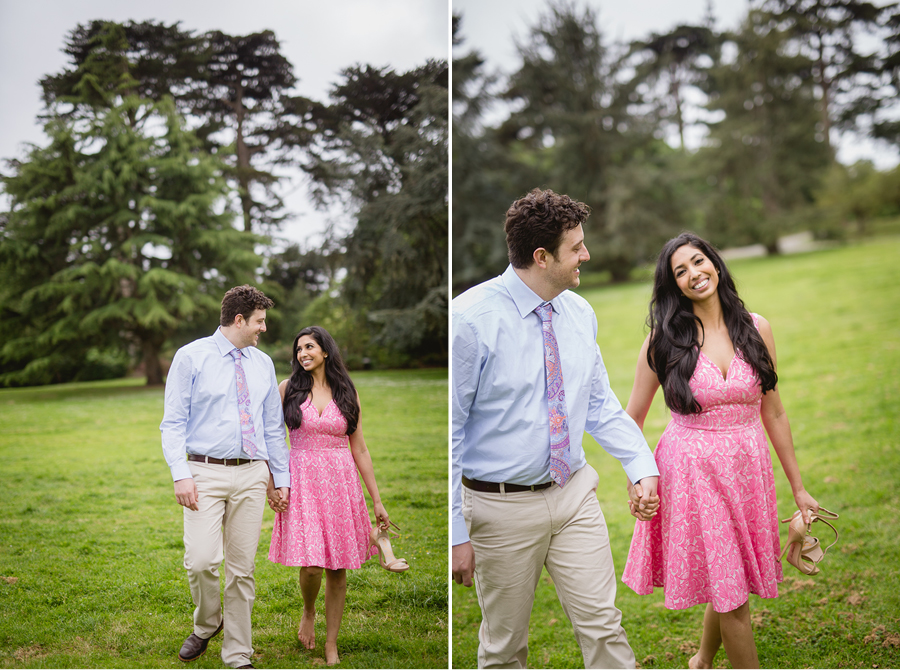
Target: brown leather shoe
<point>195,646</point>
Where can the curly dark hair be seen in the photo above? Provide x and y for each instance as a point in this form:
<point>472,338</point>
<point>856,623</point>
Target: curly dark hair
<point>539,220</point>
<point>674,345</point>
<point>300,382</point>
<point>242,300</point>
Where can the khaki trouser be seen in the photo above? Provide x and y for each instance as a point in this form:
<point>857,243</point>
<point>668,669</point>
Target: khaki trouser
<point>514,535</point>
<point>231,499</point>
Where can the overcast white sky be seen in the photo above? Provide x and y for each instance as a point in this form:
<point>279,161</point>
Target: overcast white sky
<point>319,37</point>
<point>492,26</point>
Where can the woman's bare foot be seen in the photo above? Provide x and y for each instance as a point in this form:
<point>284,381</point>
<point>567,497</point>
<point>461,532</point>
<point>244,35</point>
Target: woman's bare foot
<point>331,654</point>
<point>307,632</point>
<point>695,663</point>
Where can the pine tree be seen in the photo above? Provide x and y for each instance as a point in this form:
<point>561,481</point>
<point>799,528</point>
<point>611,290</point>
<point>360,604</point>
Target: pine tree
<point>765,155</point>
<point>229,87</point>
<point>116,237</point>
<point>827,33</point>
<point>575,120</point>
<point>671,61</point>
<point>481,185</point>
<point>382,151</point>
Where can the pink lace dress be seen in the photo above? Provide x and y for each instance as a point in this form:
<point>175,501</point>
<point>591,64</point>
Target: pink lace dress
<point>715,539</point>
<point>327,522</point>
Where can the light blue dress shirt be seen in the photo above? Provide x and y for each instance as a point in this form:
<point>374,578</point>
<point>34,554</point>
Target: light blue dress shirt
<point>201,410</point>
<point>500,425</point>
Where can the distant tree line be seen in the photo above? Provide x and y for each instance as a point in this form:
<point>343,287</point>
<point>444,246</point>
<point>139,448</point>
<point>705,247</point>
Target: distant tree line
<point>606,123</point>
<point>158,189</point>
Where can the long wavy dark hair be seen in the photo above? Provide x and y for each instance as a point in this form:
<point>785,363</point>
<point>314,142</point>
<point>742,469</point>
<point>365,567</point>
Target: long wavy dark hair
<point>674,345</point>
<point>300,383</point>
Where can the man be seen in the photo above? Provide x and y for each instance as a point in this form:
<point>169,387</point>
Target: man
<point>223,410</point>
<point>528,380</point>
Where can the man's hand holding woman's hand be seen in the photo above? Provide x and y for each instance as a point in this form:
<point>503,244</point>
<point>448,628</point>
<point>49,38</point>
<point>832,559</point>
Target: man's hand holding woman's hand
<point>643,501</point>
<point>278,498</point>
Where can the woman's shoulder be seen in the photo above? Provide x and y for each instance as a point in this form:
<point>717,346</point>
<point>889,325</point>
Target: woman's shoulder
<point>760,322</point>
<point>764,328</point>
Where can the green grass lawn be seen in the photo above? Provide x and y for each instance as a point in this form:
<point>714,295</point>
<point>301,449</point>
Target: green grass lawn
<point>836,319</point>
<point>91,545</point>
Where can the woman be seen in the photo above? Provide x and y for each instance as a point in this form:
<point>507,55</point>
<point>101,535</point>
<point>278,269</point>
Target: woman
<point>325,526</point>
<point>714,539</point>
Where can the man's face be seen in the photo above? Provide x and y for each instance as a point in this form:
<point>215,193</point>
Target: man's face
<point>249,329</point>
<point>562,269</point>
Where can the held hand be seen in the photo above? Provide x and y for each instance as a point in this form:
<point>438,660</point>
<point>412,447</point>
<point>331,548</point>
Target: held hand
<point>463,563</point>
<point>643,502</point>
<point>186,493</point>
<point>381,516</point>
<point>649,503</point>
<point>275,499</point>
<point>806,504</point>
<point>634,496</point>
<point>284,494</point>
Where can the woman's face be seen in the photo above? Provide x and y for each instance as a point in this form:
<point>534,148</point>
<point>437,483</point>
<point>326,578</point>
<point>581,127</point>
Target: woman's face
<point>309,354</point>
<point>694,273</point>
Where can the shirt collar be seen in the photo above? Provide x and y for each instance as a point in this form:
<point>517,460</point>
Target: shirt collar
<point>525,299</point>
<point>225,346</point>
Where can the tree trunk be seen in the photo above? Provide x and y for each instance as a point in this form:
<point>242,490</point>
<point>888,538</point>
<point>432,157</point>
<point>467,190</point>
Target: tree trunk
<point>152,366</point>
<point>619,269</point>
<point>825,85</point>
<point>771,210</point>
<point>675,88</point>
<point>243,160</point>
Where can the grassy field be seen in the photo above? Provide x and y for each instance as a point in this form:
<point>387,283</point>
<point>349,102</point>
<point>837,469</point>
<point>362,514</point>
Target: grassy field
<point>836,319</point>
<point>91,546</point>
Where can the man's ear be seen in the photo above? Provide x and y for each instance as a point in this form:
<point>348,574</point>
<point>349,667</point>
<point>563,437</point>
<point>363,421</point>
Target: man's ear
<point>540,257</point>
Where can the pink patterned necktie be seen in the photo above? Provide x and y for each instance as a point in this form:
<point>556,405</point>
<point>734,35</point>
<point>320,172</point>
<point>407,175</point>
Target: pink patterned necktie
<point>556,400</point>
<point>243,398</point>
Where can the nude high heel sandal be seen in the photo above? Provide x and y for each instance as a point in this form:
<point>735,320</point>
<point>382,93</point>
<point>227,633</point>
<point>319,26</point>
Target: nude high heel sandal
<point>803,551</point>
<point>380,538</point>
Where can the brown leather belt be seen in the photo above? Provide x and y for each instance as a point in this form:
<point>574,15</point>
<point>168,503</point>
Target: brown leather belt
<point>494,487</point>
<point>222,461</point>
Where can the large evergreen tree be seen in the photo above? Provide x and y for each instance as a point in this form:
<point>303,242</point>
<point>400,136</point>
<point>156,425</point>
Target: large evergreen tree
<point>382,150</point>
<point>482,189</point>
<point>765,155</point>
<point>885,124</point>
<point>246,77</point>
<point>161,60</point>
<point>229,87</point>
<point>828,33</point>
<point>577,121</point>
<point>115,238</point>
<point>673,61</point>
